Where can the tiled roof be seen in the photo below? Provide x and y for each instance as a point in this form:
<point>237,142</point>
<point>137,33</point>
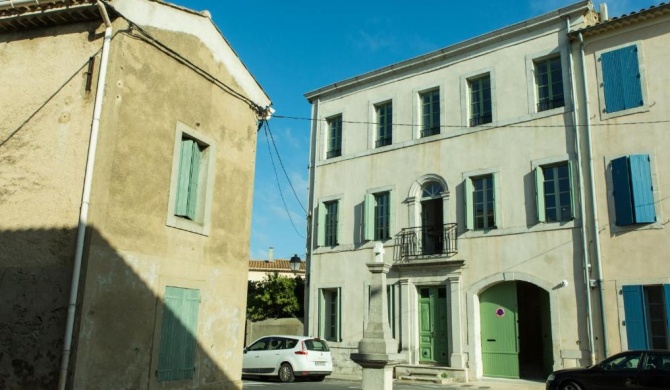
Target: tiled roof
<point>276,265</point>
<point>625,20</point>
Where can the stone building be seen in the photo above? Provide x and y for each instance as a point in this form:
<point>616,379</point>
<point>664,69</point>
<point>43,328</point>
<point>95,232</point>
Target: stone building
<point>127,147</point>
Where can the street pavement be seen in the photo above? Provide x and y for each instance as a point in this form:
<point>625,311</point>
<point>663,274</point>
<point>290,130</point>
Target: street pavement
<point>350,383</point>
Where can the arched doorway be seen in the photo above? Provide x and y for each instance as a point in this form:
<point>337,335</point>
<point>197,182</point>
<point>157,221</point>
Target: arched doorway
<point>515,322</point>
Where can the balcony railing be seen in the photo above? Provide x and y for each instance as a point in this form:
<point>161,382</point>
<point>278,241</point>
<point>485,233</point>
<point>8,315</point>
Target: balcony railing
<point>428,131</point>
<point>549,104</point>
<point>481,119</point>
<point>383,142</point>
<point>427,241</point>
<point>334,153</point>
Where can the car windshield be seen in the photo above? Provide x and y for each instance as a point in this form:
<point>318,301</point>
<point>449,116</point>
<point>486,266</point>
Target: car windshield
<point>628,361</point>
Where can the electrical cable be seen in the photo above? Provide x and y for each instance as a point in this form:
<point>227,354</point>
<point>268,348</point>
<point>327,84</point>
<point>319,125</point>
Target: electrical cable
<point>281,194</point>
<point>268,131</point>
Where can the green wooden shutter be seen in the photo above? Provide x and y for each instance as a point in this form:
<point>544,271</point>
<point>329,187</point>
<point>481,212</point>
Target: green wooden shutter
<point>391,209</point>
<point>571,182</point>
<point>176,357</point>
<point>539,194</point>
<point>369,217</point>
<point>185,158</point>
<point>321,225</point>
<point>322,313</point>
<point>467,197</point>
<point>193,184</point>
<point>338,337</point>
<point>497,211</point>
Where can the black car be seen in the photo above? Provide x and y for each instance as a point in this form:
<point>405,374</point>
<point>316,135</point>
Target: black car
<point>625,370</point>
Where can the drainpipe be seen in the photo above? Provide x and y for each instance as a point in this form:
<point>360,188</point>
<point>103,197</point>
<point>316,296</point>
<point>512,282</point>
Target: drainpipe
<point>86,197</point>
<point>594,207</point>
<point>582,207</point>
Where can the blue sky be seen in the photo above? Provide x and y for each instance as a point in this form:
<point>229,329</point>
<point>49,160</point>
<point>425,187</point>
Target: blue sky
<point>293,47</point>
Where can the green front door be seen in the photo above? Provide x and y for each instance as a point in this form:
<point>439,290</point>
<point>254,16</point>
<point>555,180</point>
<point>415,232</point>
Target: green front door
<point>433,325</point>
<point>499,330</point>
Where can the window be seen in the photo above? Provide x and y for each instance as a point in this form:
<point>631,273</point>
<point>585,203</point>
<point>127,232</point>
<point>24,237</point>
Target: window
<point>328,223</point>
<point>647,310</point>
<point>480,101</point>
<point>480,202</point>
<point>621,79</point>
<point>378,216</point>
<point>633,190</point>
<point>334,137</point>
<point>553,186</point>
<point>430,113</point>
<point>176,360</point>
<point>384,114</point>
<point>330,314</point>
<point>192,181</point>
<point>483,202</point>
<point>549,81</point>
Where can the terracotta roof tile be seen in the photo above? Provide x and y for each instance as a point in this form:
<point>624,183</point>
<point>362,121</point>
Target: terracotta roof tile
<point>276,265</point>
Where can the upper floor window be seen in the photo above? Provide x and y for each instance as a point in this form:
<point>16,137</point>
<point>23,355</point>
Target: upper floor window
<point>554,192</point>
<point>483,202</point>
<point>633,190</point>
<point>384,113</point>
<point>334,136</point>
<point>378,216</point>
<point>430,113</point>
<point>480,101</point>
<point>621,79</point>
<point>192,179</point>
<point>549,82</point>
<point>328,223</point>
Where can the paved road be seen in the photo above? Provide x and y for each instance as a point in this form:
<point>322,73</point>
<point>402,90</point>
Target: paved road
<point>338,384</point>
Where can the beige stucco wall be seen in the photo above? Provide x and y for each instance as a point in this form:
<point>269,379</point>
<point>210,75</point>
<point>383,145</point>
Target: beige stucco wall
<point>131,252</point>
<point>631,255</point>
<point>44,130</point>
<point>519,249</point>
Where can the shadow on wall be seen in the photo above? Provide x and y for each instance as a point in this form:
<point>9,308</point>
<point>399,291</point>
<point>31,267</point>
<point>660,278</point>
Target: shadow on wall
<point>119,341</point>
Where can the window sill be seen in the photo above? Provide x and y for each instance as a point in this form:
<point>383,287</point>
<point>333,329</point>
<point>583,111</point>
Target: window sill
<point>636,110</point>
<point>187,225</point>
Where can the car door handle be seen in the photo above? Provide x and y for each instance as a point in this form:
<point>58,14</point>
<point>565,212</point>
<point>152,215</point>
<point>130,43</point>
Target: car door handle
<point>490,339</point>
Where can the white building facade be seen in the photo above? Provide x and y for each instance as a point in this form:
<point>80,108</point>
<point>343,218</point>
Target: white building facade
<point>463,164</point>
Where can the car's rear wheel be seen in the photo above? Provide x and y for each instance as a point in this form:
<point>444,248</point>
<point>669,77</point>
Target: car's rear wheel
<point>570,386</point>
<point>318,378</point>
<point>286,373</point>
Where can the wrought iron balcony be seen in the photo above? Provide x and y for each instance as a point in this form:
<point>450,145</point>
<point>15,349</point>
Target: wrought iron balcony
<point>383,142</point>
<point>428,131</point>
<point>549,104</point>
<point>481,119</point>
<point>427,241</point>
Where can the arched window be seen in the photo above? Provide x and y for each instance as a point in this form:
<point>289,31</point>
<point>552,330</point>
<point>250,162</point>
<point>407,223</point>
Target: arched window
<point>431,190</point>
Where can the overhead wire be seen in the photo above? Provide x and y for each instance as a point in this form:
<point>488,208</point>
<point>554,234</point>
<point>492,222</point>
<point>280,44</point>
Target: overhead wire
<point>281,193</point>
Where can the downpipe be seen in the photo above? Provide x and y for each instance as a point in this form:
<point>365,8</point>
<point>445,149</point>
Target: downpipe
<point>86,197</point>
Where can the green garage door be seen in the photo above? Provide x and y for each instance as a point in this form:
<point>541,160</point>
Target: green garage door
<point>499,330</point>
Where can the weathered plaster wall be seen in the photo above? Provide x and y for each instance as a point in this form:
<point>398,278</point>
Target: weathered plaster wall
<point>136,254</point>
<point>44,130</point>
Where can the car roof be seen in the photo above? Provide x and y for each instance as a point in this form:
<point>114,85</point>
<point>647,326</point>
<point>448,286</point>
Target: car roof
<point>290,337</point>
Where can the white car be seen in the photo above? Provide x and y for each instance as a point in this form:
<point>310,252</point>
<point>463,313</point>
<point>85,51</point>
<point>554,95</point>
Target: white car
<point>287,357</point>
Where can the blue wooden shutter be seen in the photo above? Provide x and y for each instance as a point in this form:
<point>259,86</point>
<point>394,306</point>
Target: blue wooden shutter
<point>621,79</point>
<point>636,321</point>
<point>630,77</point>
<point>391,211</point>
<point>184,177</point>
<point>642,189</point>
<point>614,94</point>
<point>623,199</point>
<point>176,360</point>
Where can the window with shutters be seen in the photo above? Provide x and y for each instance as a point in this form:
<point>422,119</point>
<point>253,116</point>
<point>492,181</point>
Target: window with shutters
<point>622,87</point>
<point>384,120</point>
<point>429,103</point>
<point>553,188</point>
<point>647,316</point>
<point>178,340</point>
<point>334,137</point>
<point>482,203</point>
<point>328,223</point>
<point>481,111</point>
<point>192,181</point>
<point>330,314</point>
<point>378,210</point>
<point>632,190</point>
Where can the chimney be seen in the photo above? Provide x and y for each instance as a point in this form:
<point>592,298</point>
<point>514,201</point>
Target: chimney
<point>604,15</point>
<point>271,254</point>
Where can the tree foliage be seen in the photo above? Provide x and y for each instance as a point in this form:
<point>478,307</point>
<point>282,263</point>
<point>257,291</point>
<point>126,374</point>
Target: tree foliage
<point>275,296</point>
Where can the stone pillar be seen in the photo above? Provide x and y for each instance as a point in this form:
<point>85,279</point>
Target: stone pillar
<point>377,351</point>
<point>456,358</point>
